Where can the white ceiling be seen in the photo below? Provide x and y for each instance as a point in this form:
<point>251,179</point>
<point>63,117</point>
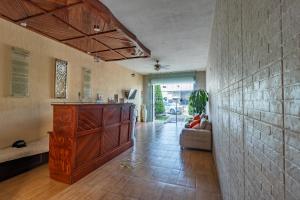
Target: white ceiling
<point>176,31</point>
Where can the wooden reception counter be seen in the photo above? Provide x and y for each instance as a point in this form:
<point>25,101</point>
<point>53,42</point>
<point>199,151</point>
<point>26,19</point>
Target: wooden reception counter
<point>86,136</point>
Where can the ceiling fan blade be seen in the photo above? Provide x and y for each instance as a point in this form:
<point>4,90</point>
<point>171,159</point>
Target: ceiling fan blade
<point>159,67</point>
<point>165,66</point>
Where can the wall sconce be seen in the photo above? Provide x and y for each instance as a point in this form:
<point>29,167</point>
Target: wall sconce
<point>96,59</point>
<point>97,28</point>
<point>24,24</point>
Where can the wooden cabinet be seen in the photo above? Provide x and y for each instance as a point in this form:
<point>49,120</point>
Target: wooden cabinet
<point>86,136</point>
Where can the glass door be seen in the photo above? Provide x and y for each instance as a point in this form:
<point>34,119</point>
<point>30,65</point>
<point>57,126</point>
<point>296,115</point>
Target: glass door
<point>171,102</point>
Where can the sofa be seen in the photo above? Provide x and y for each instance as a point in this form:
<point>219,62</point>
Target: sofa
<point>197,138</point>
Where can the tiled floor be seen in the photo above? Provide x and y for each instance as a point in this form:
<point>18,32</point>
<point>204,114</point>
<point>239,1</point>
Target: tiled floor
<point>155,168</point>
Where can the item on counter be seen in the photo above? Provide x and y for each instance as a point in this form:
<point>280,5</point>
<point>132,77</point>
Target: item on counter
<point>99,98</point>
<point>79,96</point>
<point>116,98</point>
<point>110,100</point>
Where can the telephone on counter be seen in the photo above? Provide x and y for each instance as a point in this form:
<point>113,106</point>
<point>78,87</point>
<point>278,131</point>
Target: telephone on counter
<point>19,144</point>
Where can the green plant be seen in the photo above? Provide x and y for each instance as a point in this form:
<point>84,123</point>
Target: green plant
<point>159,103</point>
<point>197,102</point>
<point>162,118</point>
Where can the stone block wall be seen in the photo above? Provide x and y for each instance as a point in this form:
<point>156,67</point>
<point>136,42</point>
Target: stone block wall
<point>253,78</point>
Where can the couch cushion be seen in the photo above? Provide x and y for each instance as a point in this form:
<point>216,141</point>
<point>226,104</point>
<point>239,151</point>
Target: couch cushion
<point>202,115</point>
<point>203,123</point>
<point>196,125</point>
<point>197,117</point>
<point>193,123</point>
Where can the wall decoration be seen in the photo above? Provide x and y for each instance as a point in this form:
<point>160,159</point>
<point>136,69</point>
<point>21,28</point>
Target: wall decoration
<point>61,72</point>
<point>86,83</point>
<point>19,72</point>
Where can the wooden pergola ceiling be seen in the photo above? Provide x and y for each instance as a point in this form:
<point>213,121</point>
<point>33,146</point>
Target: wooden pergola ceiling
<point>75,23</point>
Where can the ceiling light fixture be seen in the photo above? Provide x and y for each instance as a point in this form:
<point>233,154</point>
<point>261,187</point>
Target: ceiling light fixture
<point>96,59</point>
<point>24,24</point>
<point>97,28</point>
<point>133,52</point>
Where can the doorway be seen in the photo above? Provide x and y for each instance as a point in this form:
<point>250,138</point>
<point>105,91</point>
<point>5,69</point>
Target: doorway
<point>171,102</point>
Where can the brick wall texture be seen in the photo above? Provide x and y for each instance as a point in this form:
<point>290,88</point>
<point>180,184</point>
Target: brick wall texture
<point>253,78</point>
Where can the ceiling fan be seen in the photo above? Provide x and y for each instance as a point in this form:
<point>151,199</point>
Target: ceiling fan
<point>158,66</point>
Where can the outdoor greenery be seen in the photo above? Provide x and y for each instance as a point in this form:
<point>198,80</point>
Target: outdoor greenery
<point>162,118</point>
<point>159,103</point>
<point>197,102</point>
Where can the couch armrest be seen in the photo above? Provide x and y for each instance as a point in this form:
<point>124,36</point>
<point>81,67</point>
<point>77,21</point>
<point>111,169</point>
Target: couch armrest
<point>195,138</point>
<point>196,131</point>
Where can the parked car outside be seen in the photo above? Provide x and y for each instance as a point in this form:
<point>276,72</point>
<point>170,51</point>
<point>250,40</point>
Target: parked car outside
<point>170,108</point>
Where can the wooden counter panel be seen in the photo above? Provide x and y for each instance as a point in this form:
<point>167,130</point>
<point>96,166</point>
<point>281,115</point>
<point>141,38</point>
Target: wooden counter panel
<point>87,148</point>
<point>86,136</point>
<point>124,133</point>
<point>89,118</point>
<point>90,166</point>
<point>64,121</point>
<point>111,115</point>
<point>60,157</point>
<point>110,139</point>
<point>125,113</point>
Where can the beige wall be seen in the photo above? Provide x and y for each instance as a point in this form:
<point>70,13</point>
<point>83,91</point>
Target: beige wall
<point>30,118</point>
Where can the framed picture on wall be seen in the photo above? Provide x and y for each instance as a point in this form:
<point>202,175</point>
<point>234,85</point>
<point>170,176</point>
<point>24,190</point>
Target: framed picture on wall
<point>61,73</point>
<point>19,86</point>
<point>86,83</point>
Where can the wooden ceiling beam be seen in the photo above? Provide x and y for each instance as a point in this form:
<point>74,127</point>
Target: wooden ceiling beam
<point>99,6</point>
<point>88,36</point>
<point>115,49</point>
<point>109,48</point>
<point>103,13</point>
<point>102,8</point>
<point>85,35</point>
<point>129,58</point>
<point>26,12</point>
<point>32,29</point>
<point>45,13</point>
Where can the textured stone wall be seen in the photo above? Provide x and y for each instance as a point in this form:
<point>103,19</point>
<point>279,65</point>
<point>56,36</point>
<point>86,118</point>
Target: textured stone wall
<point>253,78</point>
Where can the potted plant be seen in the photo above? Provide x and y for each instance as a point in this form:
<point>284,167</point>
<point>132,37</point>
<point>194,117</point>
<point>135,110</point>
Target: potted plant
<point>197,102</point>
